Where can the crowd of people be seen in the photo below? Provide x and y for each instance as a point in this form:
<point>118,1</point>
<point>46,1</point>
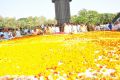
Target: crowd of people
<point>109,26</point>
<point>77,28</point>
<point>10,33</point>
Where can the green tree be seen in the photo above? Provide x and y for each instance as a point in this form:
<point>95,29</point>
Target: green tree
<point>92,17</point>
<point>9,22</point>
<point>83,16</point>
<point>22,22</point>
<point>51,21</point>
<point>106,17</point>
<point>1,21</point>
<point>74,19</point>
<point>42,20</point>
<point>36,21</point>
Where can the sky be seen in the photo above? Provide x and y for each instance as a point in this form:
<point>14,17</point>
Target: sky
<point>26,8</point>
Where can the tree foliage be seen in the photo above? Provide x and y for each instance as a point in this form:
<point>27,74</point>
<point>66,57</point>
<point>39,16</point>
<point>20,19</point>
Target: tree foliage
<point>92,17</point>
<point>84,16</point>
<point>28,22</point>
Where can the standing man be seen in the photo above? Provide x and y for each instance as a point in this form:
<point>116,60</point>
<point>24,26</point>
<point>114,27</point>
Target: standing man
<point>110,26</point>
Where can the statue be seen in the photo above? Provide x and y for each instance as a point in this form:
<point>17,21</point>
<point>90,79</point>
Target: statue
<point>62,11</point>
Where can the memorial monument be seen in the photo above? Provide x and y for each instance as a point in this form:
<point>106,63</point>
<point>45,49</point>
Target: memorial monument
<point>62,11</point>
